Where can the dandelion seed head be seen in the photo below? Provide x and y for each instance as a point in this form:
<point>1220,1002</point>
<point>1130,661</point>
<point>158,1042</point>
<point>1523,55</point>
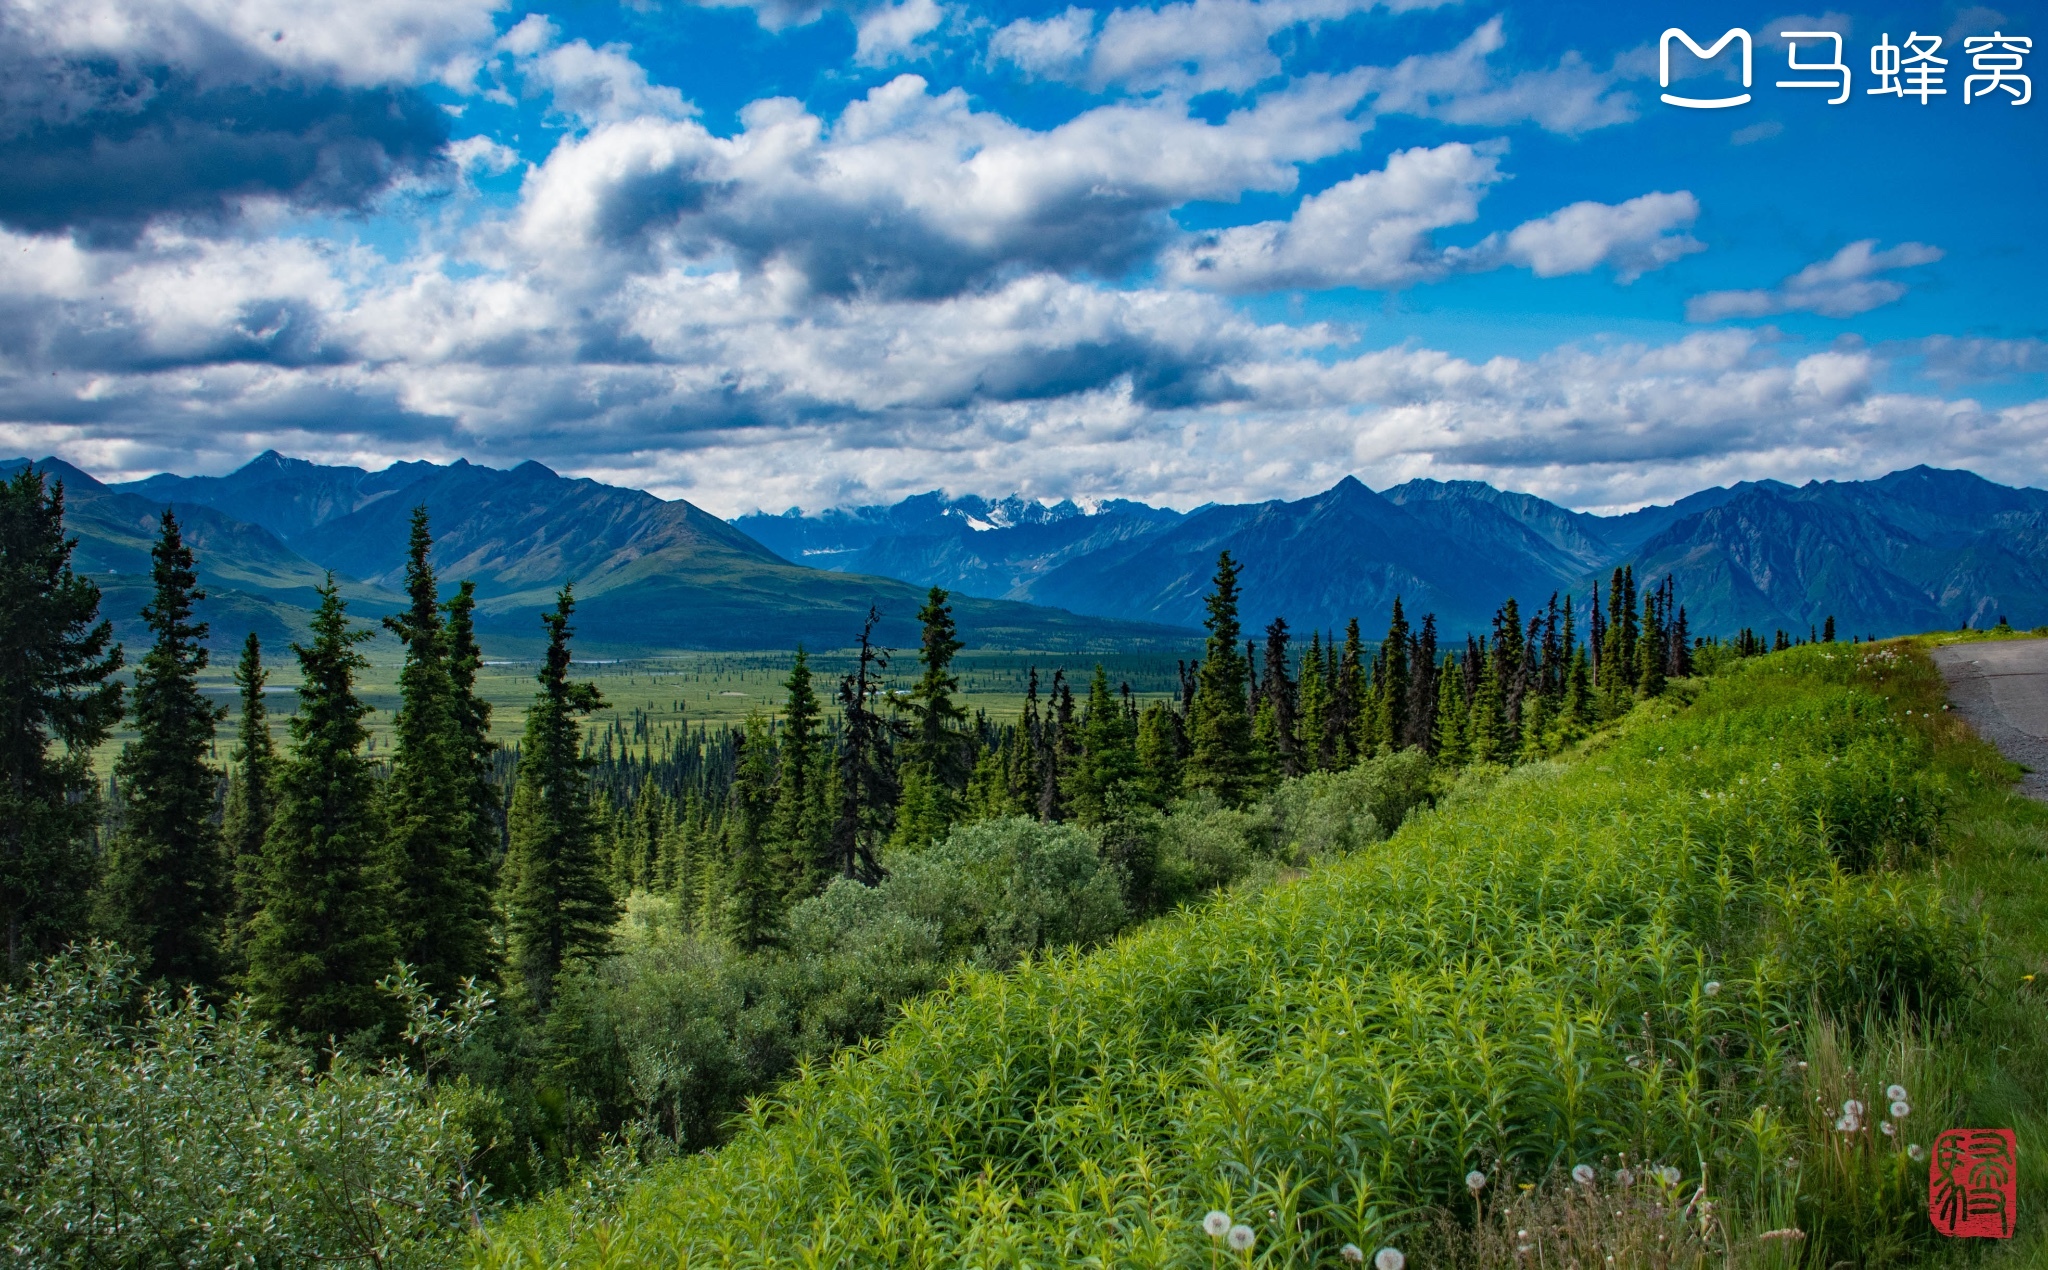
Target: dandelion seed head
<point>1887,1128</point>
<point>1916,1152</point>
<point>1582,1174</point>
<point>1713,987</point>
<point>1851,1107</point>
<point>1776,766</point>
<point>1475,1181</point>
<point>1901,1109</point>
<point>1625,1178</point>
<point>1241,1238</point>
<point>1897,1093</point>
<point>1217,1223</point>
<point>1389,1259</point>
<point>1352,1253</point>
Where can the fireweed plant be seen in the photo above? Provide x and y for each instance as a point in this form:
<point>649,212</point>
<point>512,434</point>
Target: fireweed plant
<point>1617,964</point>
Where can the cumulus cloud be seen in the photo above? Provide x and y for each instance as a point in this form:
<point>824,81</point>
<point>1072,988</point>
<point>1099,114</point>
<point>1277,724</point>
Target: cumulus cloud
<point>913,193</point>
<point>1373,230</point>
<point>1632,238</point>
<point>891,31</point>
<point>589,85</point>
<point>1376,231</point>
<point>1462,85</point>
<point>1843,285</point>
<point>115,113</point>
<point>1952,360</point>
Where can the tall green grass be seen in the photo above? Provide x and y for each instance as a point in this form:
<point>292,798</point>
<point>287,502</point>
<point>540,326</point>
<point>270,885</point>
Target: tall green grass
<point>1613,962</point>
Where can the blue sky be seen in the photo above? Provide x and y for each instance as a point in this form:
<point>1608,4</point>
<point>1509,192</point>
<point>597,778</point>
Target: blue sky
<point>808,253</point>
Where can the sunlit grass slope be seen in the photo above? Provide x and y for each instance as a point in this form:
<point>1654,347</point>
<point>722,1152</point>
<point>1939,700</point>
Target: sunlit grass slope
<point>1620,954</point>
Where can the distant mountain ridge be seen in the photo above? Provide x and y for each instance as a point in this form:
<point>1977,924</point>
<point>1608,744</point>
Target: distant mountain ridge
<point>1913,550</point>
<point>649,573</point>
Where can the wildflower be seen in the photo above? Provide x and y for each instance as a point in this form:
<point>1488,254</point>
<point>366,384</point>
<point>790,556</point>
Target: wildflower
<point>1897,1093</point>
<point>1389,1259</point>
<point>1217,1223</point>
<point>1582,1174</point>
<point>1475,1181</point>
<point>1352,1253</point>
<point>1667,1174</point>
<point>1887,1128</point>
<point>1713,987</point>
<point>1916,1152</point>
<point>1853,1108</point>
<point>1776,766</point>
<point>1802,1064</point>
<point>1901,1109</point>
<point>1624,1177</point>
<point>1241,1238</point>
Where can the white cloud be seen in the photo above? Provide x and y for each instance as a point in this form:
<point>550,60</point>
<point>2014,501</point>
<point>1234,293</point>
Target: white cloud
<point>1843,285</point>
<point>913,193</point>
<point>890,32</point>
<point>1376,231</point>
<point>1373,230</point>
<point>1051,48</point>
<point>356,42</point>
<point>1632,238</point>
<point>1461,85</point>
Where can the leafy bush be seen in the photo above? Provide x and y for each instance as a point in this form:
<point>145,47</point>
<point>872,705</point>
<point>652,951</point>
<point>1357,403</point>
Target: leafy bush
<point>147,1130</point>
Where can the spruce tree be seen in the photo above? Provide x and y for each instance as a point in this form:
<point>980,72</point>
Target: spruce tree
<point>1420,728</point>
<point>1279,697</point>
<point>796,830</point>
<point>1161,746</point>
<point>753,891</point>
<point>1452,712</point>
<point>324,936</point>
<point>443,903</point>
<point>1390,686</point>
<point>1486,737</point>
<point>57,687</point>
<point>1650,652</point>
<point>1314,697</point>
<point>868,787</point>
<point>1219,731</point>
<point>1351,719</point>
<point>558,907</point>
<point>1827,632</point>
<point>165,895</point>
<point>1109,755</point>
<point>472,720</point>
<point>937,754</point>
<point>245,821</point>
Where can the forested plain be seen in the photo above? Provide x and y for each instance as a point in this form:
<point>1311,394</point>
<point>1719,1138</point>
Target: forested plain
<point>1576,941</point>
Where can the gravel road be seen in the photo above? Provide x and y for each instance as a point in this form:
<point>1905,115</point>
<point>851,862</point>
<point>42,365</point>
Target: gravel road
<point>2002,689</point>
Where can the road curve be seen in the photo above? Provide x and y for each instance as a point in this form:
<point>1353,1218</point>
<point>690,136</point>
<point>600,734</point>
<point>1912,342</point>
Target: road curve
<point>2001,688</point>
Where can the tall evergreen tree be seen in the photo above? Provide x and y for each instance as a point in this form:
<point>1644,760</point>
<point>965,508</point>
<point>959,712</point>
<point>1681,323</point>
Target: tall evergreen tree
<point>1419,728</point>
<point>1279,698</point>
<point>1651,653</point>
<point>558,906</point>
<point>1452,713</point>
<point>753,892</point>
<point>938,753</point>
<point>1219,731</point>
<point>57,686</point>
<point>868,788</point>
<point>324,936</point>
<point>245,821</point>
<point>1314,697</point>
<point>797,829</point>
<point>1390,685</point>
<point>1351,720</point>
<point>1109,756</point>
<point>443,903</point>
<point>1161,747</point>
<point>165,895</point>
<point>472,721</point>
<point>1486,733</point>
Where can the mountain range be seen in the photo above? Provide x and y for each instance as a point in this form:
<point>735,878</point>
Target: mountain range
<point>650,574</point>
<point>1914,550</point>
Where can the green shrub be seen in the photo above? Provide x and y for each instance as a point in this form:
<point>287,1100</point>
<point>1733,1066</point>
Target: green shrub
<point>142,1129</point>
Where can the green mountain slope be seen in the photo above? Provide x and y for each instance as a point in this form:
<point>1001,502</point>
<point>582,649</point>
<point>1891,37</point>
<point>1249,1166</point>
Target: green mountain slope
<point>253,580</point>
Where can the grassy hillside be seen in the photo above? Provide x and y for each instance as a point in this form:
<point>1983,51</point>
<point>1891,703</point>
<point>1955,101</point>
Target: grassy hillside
<point>1670,960</point>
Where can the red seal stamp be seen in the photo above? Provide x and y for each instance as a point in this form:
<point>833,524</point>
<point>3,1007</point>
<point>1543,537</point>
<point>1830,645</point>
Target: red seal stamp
<point>1973,1183</point>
